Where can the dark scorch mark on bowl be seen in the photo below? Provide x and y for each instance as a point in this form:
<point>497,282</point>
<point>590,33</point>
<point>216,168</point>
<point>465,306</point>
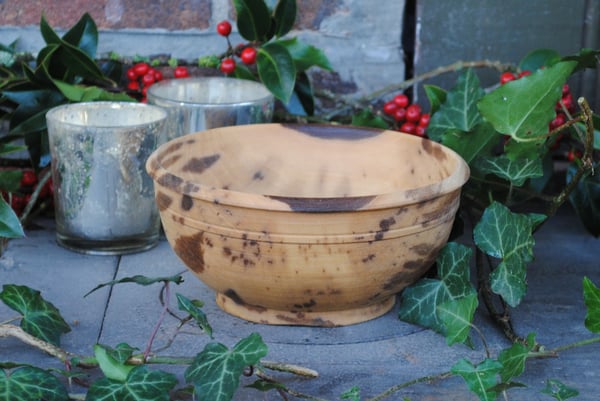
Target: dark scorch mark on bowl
<point>187,202</point>
<point>324,205</point>
<point>190,251</point>
<point>163,201</point>
<point>200,164</point>
<point>384,226</point>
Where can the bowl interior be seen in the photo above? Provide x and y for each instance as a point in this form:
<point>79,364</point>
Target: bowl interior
<point>312,161</point>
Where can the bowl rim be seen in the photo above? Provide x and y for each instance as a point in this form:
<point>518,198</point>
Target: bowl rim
<point>153,89</point>
<point>228,197</point>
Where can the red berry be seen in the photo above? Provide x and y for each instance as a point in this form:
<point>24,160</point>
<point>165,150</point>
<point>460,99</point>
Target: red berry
<point>131,74</point>
<point>421,131</point>
<point>524,73</point>
<point>158,75</point>
<point>424,120</point>
<point>181,72</point>
<point>573,154</point>
<point>408,127</point>
<point>28,179</point>
<point>248,55</point>
<point>389,108</point>
<point>133,86</point>
<point>413,113</point>
<point>507,77</point>
<point>227,65</point>
<point>565,89</point>
<point>567,101</point>
<point>401,100</point>
<point>224,28</point>
<point>141,69</point>
<point>400,114</point>
<point>559,120</point>
<point>148,79</point>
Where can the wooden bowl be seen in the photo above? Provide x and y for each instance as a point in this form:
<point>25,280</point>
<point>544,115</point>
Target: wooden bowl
<point>306,224</point>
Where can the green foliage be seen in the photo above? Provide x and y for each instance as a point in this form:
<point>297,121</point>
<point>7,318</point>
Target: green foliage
<point>193,308</point>
<point>480,378</point>
<point>29,383</point>
<point>112,361</point>
<point>585,199</point>
<point>39,317</point>
<point>140,384</point>
<point>140,280</point>
<point>513,358</point>
<point>444,304</point>
<point>216,371</point>
<point>10,226</point>
<point>558,390</point>
<point>591,296</point>
<point>507,236</point>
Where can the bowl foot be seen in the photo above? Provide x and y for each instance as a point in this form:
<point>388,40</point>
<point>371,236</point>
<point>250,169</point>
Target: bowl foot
<point>335,318</point>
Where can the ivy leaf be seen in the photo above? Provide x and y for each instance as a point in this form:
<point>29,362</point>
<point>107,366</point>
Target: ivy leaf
<point>31,384</point>
<point>285,16</point>
<point>513,358</point>
<point>276,70</point>
<point>305,55</point>
<point>253,19</point>
<point>457,316</point>
<point>10,225</point>
<point>507,236</point>
<point>436,96</point>
<point>111,363</point>
<point>353,394</point>
<point>40,318</point>
<point>585,198</point>
<point>469,145</point>
<point>215,372</point>
<point>558,390</point>
<point>140,280</point>
<point>516,171</point>
<point>140,384</point>
<point>459,111</point>
<point>186,305</point>
<point>419,301</point>
<point>591,297</point>
<point>479,378</point>
<point>523,108</point>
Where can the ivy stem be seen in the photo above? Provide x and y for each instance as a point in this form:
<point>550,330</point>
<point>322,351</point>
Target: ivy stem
<point>398,387</point>
<point>456,66</point>
<point>163,313</point>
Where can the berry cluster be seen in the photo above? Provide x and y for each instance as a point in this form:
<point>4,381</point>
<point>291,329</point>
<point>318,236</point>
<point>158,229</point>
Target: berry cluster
<point>565,103</point>
<point>20,199</point>
<point>408,118</point>
<point>246,53</point>
<point>141,76</point>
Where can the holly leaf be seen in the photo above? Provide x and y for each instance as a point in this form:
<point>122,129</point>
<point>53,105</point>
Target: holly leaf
<point>585,198</point>
<point>84,35</point>
<point>558,390</point>
<point>253,19</point>
<point>523,108</point>
<point>538,58</point>
<point>10,225</point>
<point>215,372</point>
<point>503,234</point>
<point>479,378</point>
<point>305,55</point>
<point>140,384</point>
<point>585,58</point>
<point>31,384</point>
<point>591,297</point>
<point>366,118</point>
<point>419,302</point>
<point>516,171</point>
<point>40,318</point>
<point>285,16</point>
<point>191,307</point>
<point>470,145</point>
<point>457,316</point>
<point>276,70</point>
<point>459,111</point>
<point>513,358</point>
